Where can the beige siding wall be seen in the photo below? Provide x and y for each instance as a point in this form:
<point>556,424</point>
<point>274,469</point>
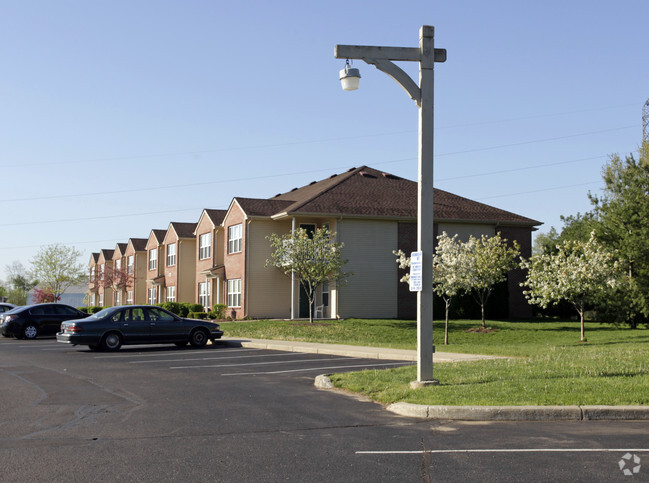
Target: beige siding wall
<point>186,266</point>
<point>465,231</point>
<point>371,291</point>
<point>268,290</point>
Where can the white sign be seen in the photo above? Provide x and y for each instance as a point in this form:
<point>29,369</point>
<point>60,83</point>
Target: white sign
<point>415,271</point>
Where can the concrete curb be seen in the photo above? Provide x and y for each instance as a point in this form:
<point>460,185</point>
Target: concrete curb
<point>509,413</point>
<point>465,413</point>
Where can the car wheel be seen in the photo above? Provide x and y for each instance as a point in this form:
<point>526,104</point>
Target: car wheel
<point>30,331</point>
<point>180,344</point>
<point>198,338</point>
<point>111,341</point>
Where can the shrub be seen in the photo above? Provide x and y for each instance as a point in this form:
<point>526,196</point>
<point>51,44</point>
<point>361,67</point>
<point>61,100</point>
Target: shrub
<point>218,311</point>
<point>173,307</point>
<point>195,307</point>
<point>92,309</point>
<point>197,315</point>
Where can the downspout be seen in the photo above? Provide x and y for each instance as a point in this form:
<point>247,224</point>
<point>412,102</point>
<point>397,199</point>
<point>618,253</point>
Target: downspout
<point>245,272</point>
<point>293,278</point>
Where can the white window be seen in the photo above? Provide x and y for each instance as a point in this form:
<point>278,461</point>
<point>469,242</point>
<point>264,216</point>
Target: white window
<point>102,270</point>
<point>151,296</point>
<point>204,294</point>
<point>234,238</point>
<point>171,255</point>
<point>117,298</point>
<point>101,299</point>
<point>171,294</point>
<point>153,258</point>
<point>325,294</point>
<point>92,274</point>
<point>204,246</point>
<point>118,265</point>
<point>92,299</point>
<point>234,293</point>
<point>129,297</point>
<point>130,264</point>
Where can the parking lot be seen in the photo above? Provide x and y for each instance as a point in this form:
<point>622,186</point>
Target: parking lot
<point>222,413</point>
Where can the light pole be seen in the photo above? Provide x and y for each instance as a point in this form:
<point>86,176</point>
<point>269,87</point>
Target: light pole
<point>422,94</point>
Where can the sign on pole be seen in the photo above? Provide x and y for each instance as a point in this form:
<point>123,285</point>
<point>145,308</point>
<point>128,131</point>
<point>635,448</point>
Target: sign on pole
<point>415,271</point>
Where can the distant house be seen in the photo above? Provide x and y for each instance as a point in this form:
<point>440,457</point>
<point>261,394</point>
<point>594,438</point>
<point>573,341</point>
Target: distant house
<point>74,295</point>
<point>210,270</point>
<point>155,279</point>
<point>136,264</point>
<point>104,266</point>
<point>180,262</point>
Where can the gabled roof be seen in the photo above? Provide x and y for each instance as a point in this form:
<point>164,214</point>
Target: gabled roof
<point>159,235</point>
<point>120,248</point>
<point>138,244</point>
<point>367,192</point>
<point>106,254</point>
<point>182,230</point>
<point>214,216</point>
<point>94,257</point>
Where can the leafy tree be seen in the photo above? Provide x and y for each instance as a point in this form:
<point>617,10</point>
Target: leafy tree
<point>57,267</point>
<point>490,259</point>
<point>622,211</point>
<point>20,282</point>
<point>313,260</point>
<point>582,273</point>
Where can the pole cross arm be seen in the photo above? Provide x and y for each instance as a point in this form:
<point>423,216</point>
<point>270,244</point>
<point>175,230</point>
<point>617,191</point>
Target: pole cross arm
<point>364,52</point>
<point>382,57</point>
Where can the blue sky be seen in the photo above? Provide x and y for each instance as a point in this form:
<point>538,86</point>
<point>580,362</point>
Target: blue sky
<point>119,117</point>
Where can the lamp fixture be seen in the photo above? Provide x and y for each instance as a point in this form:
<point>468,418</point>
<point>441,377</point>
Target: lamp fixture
<point>349,77</point>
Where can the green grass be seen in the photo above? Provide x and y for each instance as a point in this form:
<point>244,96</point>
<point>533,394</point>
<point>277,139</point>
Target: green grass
<point>549,365</point>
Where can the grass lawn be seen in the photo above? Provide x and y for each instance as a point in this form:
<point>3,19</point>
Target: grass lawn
<point>548,366</point>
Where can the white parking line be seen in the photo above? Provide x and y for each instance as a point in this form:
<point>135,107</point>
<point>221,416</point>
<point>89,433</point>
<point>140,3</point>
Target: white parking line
<point>260,363</point>
<point>513,450</point>
<point>218,358</point>
<point>172,352</point>
<point>315,369</point>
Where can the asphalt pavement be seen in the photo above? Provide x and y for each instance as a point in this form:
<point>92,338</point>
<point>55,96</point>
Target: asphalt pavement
<point>463,413</point>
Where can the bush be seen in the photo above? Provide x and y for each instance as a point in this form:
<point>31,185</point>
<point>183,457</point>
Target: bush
<point>93,309</point>
<point>198,315</point>
<point>195,307</point>
<point>218,311</point>
<point>173,307</point>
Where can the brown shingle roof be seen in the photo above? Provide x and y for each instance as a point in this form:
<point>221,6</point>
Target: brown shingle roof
<point>139,244</point>
<point>158,234</point>
<point>262,207</point>
<point>183,230</point>
<point>367,192</point>
<point>216,215</point>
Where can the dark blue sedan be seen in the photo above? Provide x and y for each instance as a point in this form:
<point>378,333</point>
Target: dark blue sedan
<point>113,327</point>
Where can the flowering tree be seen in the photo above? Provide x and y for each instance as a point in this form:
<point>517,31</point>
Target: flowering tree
<point>450,271</point>
<point>312,258</point>
<point>41,296</point>
<point>581,273</point>
<point>119,279</point>
<point>489,259</point>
